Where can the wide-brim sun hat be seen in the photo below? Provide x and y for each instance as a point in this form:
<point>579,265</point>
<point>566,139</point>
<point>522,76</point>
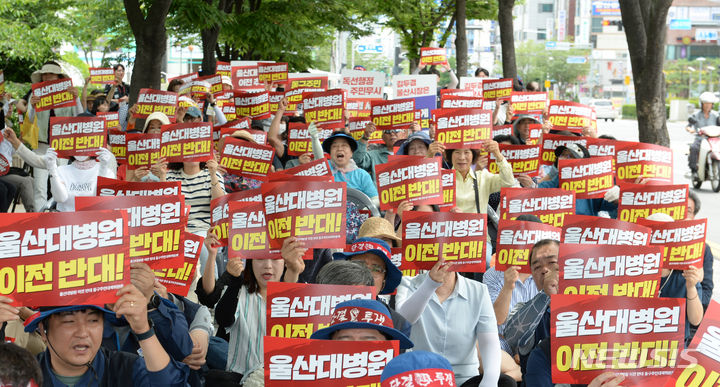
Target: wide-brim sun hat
<point>377,227</point>
<point>412,366</point>
<point>47,68</point>
<point>32,322</point>
<point>422,136</point>
<point>576,150</point>
<point>523,117</point>
<point>160,116</point>
<point>328,141</point>
<point>362,314</point>
<point>379,247</point>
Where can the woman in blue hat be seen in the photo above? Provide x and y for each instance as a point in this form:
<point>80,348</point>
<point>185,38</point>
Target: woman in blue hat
<point>341,146</point>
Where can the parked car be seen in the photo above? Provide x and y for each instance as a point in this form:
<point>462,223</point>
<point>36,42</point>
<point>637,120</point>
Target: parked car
<point>604,109</point>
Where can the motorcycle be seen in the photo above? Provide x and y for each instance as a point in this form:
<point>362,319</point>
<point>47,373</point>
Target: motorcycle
<point>709,158</point>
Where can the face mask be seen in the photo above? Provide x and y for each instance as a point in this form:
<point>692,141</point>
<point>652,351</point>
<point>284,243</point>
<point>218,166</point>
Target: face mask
<point>283,127</point>
<point>81,158</point>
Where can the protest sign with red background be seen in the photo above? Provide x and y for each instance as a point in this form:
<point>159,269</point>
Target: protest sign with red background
<point>215,82</point>
<point>297,310</point>
<point>683,241</point>
<point>630,271</point>
<point>223,68</point>
<point>187,142</point>
<point>143,150</point>
<point>449,93</point>
<point>62,258</point>
<point>325,108</point>
<point>114,187</point>
<point>639,201</point>
<point>151,101</point>
<point>178,281</point>
<point>533,103</point>
<point>393,114</point>
<point>112,119</point>
<point>253,105</point>
<point>359,107</point>
<point>220,213</point>
<point>53,94</point>
<point>2,82</point>
<point>356,127</point>
<point>594,230</point>
<point>447,181</point>
<point>185,78</point>
<point>297,86</point>
<point>274,98</point>
<point>325,363</point>
<point>457,237</point>
<point>272,72</point>
<point>117,143</point>
<point>637,337</point>
<point>572,116</point>
<point>246,159</point>
<point>299,139</point>
<point>226,102</point>
<point>551,205</point>
<point>431,56</point>
<point>312,211</point>
<point>186,102</point>
<point>497,89</point>
<point>463,128</point>
<point>155,224</point>
<point>412,178</point>
<point>247,236</point>
<point>515,239</point>
<point>230,127</point>
<point>318,167</point>
<point>77,136</point>
<point>524,159</point>
<point>246,78</point>
<point>649,161</point>
<point>590,178</point>
<point>102,75</point>
<point>551,141</point>
<point>535,132</point>
<point>601,147</point>
<point>197,89</point>
<point>449,101</point>
<point>502,130</point>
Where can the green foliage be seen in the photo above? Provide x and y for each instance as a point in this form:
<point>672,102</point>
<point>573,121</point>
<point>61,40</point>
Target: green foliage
<point>535,63</point>
<point>682,82</point>
<point>629,112</point>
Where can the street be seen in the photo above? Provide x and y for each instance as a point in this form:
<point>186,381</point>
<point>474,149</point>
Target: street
<point>679,140</point>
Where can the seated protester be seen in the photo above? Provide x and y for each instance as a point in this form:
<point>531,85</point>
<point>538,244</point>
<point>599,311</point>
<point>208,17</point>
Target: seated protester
<point>417,144</point>
<point>418,365</point>
<point>341,146</point>
<point>345,273</point>
<point>494,198</point>
<point>452,316</point>
<point>233,182</point>
<point>380,228</point>
<point>707,285</point>
<point>366,158</point>
<point>582,206</point>
<point>74,355</point>
<point>347,326</point>
<point>529,322</point>
<point>682,284</point>
<point>18,367</point>
<point>16,179</point>
<point>153,125</point>
<point>193,114</point>
<point>521,127</point>
<point>78,177</point>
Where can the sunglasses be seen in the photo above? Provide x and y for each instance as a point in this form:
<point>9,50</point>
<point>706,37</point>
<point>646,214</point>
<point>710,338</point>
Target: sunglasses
<point>392,131</point>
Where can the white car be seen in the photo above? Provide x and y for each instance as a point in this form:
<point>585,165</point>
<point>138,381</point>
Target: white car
<point>604,109</point>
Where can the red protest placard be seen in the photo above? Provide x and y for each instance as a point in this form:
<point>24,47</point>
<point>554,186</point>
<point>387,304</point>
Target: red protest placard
<point>463,128</point>
<point>637,337</point>
<point>415,179</point>
<point>683,241</point>
<point>393,114</point>
<point>143,150</point>
<point>178,281</point>
<point>62,258</point>
<point>359,107</point>
<point>502,130</point>
<point>187,142</point>
<point>551,141</point>
<point>459,238</point>
<point>247,234</point>
<point>334,363</point>
<point>53,94</point>
<point>197,89</point>
<point>297,86</point>
<point>223,68</point>
<point>226,102</point>
<point>533,102</point>
<point>601,147</point>
<point>155,224</point>
<point>253,105</point>
<point>311,211</point>
<point>431,56</point>
<point>630,271</point>
<point>357,125</point>
<point>185,78</point>
<point>272,72</point>
<point>102,75</point>
<point>244,158</point>
<point>2,82</point>
<point>274,98</point>
<point>515,239</point>
<point>594,230</point>
<point>549,204</point>
<point>220,213</point>
<point>447,181</point>
<point>77,136</point>
<point>639,201</point>
<point>246,78</point>
<point>449,101</point>
<point>497,89</point>
<point>113,187</point>
<point>651,162</point>
<point>524,159</point>
<point>465,92</point>
<point>230,127</point>
<point>572,116</point>
<point>698,363</point>
<point>299,139</point>
<point>324,108</point>
<point>112,119</point>
<point>215,82</point>
<point>117,143</point>
<point>588,178</point>
<point>151,101</point>
<point>298,310</point>
<point>314,168</point>
<point>534,135</point>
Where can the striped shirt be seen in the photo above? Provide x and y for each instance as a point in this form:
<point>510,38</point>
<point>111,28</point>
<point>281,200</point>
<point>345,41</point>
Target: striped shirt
<point>197,190</point>
<point>245,348</point>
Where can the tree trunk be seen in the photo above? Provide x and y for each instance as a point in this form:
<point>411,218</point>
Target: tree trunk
<point>507,39</point>
<point>150,42</point>
<point>461,45</point>
<point>645,28</point>
<point>209,41</point>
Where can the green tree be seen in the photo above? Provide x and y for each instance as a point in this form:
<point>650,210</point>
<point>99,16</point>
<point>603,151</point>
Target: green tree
<point>99,25</point>
<point>535,63</point>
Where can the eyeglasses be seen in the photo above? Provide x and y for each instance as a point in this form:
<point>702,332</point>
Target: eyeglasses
<point>392,131</point>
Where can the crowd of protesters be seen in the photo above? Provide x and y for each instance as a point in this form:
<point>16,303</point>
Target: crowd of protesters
<point>480,330</point>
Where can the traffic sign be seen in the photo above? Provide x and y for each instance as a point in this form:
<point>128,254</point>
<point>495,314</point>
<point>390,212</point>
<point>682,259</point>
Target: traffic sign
<point>547,84</point>
<point>680,24</point>
<point>370,48</point>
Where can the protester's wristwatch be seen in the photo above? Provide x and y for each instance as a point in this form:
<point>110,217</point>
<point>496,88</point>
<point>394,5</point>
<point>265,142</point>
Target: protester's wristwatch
<point>144,336</point>
<point>154,302</point>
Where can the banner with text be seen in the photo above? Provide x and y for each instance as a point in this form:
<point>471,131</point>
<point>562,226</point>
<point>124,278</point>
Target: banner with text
<point>325,108</point>
<point>572,116</point>
<point>524,159</point>
<point>77,136</point>
<point>412,178</point>
<point>272,72</point>
<point>463,128</point>
<point>253,105</point>
<point>651,162</point>
<point>683,241</point>
<point>151,101</point>
<point>143,150</point>
<point>53,94</point>
<point>549,204</point>
<point>515,239</point>
<point>594,230</point>
<point>243,158</point>
<point>638,201</point>
<point>187,142</point>
<point>589,178</point>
